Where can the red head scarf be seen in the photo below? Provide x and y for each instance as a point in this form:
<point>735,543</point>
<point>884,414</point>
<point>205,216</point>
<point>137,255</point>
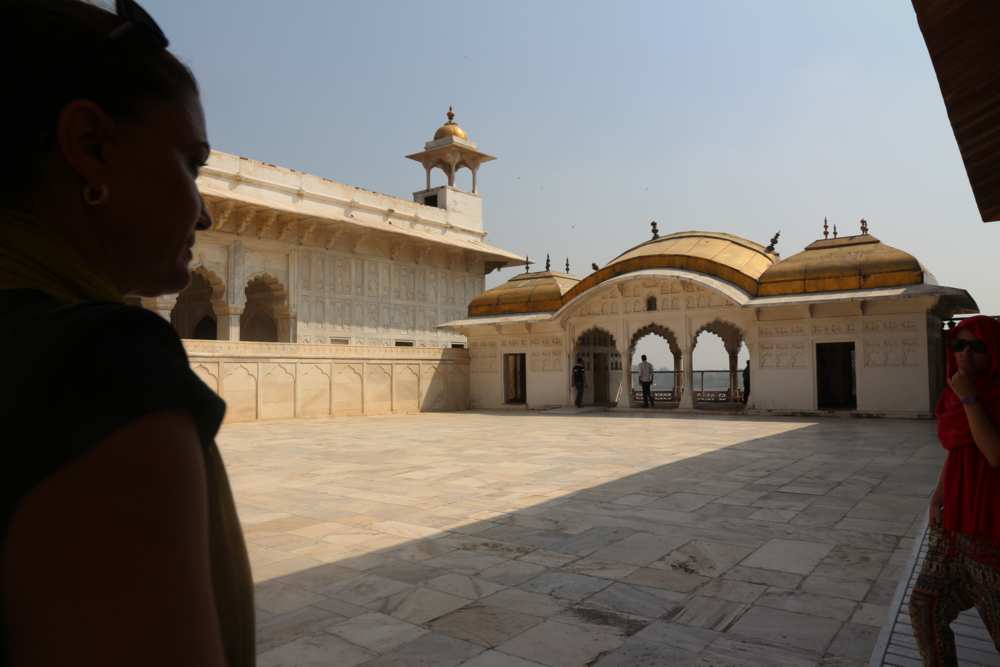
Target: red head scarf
<point>953,427</point>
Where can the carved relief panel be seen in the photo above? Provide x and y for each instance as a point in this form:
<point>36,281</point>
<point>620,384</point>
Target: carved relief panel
<point>782,355</point>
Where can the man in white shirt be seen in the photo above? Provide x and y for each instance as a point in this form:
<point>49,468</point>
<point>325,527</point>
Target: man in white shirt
<point>646,380</point>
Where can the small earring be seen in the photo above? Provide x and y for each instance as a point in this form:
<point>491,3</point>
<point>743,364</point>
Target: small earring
<point>95,196</point>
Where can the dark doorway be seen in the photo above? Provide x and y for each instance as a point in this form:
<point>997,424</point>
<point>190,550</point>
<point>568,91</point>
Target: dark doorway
<point>515,386</point>
<point>835,377</point>
<point>601,370</point>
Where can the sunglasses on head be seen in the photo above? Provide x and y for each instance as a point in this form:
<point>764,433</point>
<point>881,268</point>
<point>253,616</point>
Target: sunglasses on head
<point>959,344</point>
<point>138,23</point>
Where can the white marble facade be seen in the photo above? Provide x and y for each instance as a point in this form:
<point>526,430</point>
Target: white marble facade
<point>895,333</point>
<point>336,271</point>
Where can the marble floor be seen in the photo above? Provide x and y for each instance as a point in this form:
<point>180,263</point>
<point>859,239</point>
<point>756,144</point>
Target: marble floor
<point>598,538</point>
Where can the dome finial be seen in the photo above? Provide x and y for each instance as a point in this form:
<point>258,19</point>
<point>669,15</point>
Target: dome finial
<point>774,241</point>
<point>864,226</point>
<point>826,229</point>
<point>548,263</point>
<point>656,231</point>
<point>567,265</point>
<point>450,114</point>
<point>835,231</point>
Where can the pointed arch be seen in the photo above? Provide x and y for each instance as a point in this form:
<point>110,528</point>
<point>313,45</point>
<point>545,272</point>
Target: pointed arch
<point>193,316</point>
<point>603,365</point>
<point>266,308</point>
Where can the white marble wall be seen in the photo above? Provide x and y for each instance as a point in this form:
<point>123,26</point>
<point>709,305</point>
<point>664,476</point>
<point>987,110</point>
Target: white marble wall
<point>262,381</point>
<point>895,345</point>
<point>368,296</point>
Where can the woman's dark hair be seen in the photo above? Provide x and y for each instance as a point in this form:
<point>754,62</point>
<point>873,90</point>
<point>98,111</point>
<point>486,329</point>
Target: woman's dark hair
<point>57,51</point>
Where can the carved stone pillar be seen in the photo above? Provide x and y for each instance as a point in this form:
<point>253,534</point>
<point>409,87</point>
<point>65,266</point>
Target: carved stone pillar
<point>286,328</point>
<point>733,383</point>
<point>687,395</point>
<point>678,378</point>
<point>625,382</point>
<point>227,319</point>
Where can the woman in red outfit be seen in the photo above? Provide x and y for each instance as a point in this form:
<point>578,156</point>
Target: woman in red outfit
<point>962,569</point>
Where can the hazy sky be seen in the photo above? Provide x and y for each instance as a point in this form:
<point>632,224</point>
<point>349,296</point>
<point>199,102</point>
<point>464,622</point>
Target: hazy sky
<point>737,116</point>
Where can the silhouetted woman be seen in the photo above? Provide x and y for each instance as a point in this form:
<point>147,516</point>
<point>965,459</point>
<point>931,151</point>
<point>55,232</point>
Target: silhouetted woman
<point>119,541</point>
<point>962,569</point>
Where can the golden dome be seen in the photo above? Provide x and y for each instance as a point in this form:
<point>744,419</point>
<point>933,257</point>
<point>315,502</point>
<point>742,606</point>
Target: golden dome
<point>539,292</point>
<point>845,263</point>
<point>726,256</point>
<point>450,129</point>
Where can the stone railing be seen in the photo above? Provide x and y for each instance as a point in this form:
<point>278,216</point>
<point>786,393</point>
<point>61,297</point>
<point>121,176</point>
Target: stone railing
<point>292,380</point>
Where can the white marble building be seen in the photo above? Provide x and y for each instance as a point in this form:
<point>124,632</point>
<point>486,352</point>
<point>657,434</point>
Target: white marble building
<point>333,271</point>
<point>849,324</point>
<point>294,257</point>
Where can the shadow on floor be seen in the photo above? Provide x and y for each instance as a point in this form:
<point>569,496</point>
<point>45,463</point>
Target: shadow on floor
<point>781,550</point>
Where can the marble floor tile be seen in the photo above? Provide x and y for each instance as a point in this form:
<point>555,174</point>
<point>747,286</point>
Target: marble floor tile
<point>418,605</point>
<point>560,644</point>
<point>703,557</point>
<point>511,572</point>
<point>429,650</point>
<point>464,586</point>
<point>811,633</point>
<point>801,602</point>
<point>640,601</point>
<point>640,549</point>
<point>565,585</point>
<point>483,624</point>
<point>525,602</point>
<point>640,653</point>
<point>672,580</point>
<point>788,556</point>
<point>376,632</point>
<point>684,637</point>
<point>365,589</point>
<point>315,651</point>
<point>705,612</point>
<point>498,659</point>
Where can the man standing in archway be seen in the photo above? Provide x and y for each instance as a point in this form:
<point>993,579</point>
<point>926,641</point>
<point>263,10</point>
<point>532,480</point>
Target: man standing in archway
<point>579,380</point>
<point>646,380</point>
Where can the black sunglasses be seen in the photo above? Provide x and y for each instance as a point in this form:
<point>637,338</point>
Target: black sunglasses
<point>137,23</point>
<point>978,346</point>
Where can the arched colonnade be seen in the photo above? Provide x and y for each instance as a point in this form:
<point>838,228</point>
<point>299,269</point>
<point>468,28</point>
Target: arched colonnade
<point>606,342</point>
<point>201,311</point>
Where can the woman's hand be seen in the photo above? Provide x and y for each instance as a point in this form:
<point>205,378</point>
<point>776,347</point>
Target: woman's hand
<point>962,384</point>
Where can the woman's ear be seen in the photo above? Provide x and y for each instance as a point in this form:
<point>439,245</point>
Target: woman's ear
<point>84,134</point>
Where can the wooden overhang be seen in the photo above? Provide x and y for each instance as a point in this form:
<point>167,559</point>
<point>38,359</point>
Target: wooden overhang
<point>963,40</point>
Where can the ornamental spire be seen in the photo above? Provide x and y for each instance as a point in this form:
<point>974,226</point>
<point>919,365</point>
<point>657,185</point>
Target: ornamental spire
<point>826,229</point>
<point>548,263</point>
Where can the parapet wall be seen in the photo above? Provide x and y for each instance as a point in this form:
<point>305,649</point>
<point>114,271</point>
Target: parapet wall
<point>292,380</point>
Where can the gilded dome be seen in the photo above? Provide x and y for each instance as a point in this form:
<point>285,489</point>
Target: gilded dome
<point>524,293</point>
<point>450,128</point>
<point>725,256</point>
<point>845,263</point>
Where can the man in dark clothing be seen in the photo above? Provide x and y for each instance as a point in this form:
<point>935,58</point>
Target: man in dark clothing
<point>646,380</point>
<point>746,382</point>
<point>579,380</point>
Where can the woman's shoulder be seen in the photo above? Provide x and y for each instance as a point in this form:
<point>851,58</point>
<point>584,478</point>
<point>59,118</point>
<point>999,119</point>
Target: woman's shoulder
<point>32,316</point>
